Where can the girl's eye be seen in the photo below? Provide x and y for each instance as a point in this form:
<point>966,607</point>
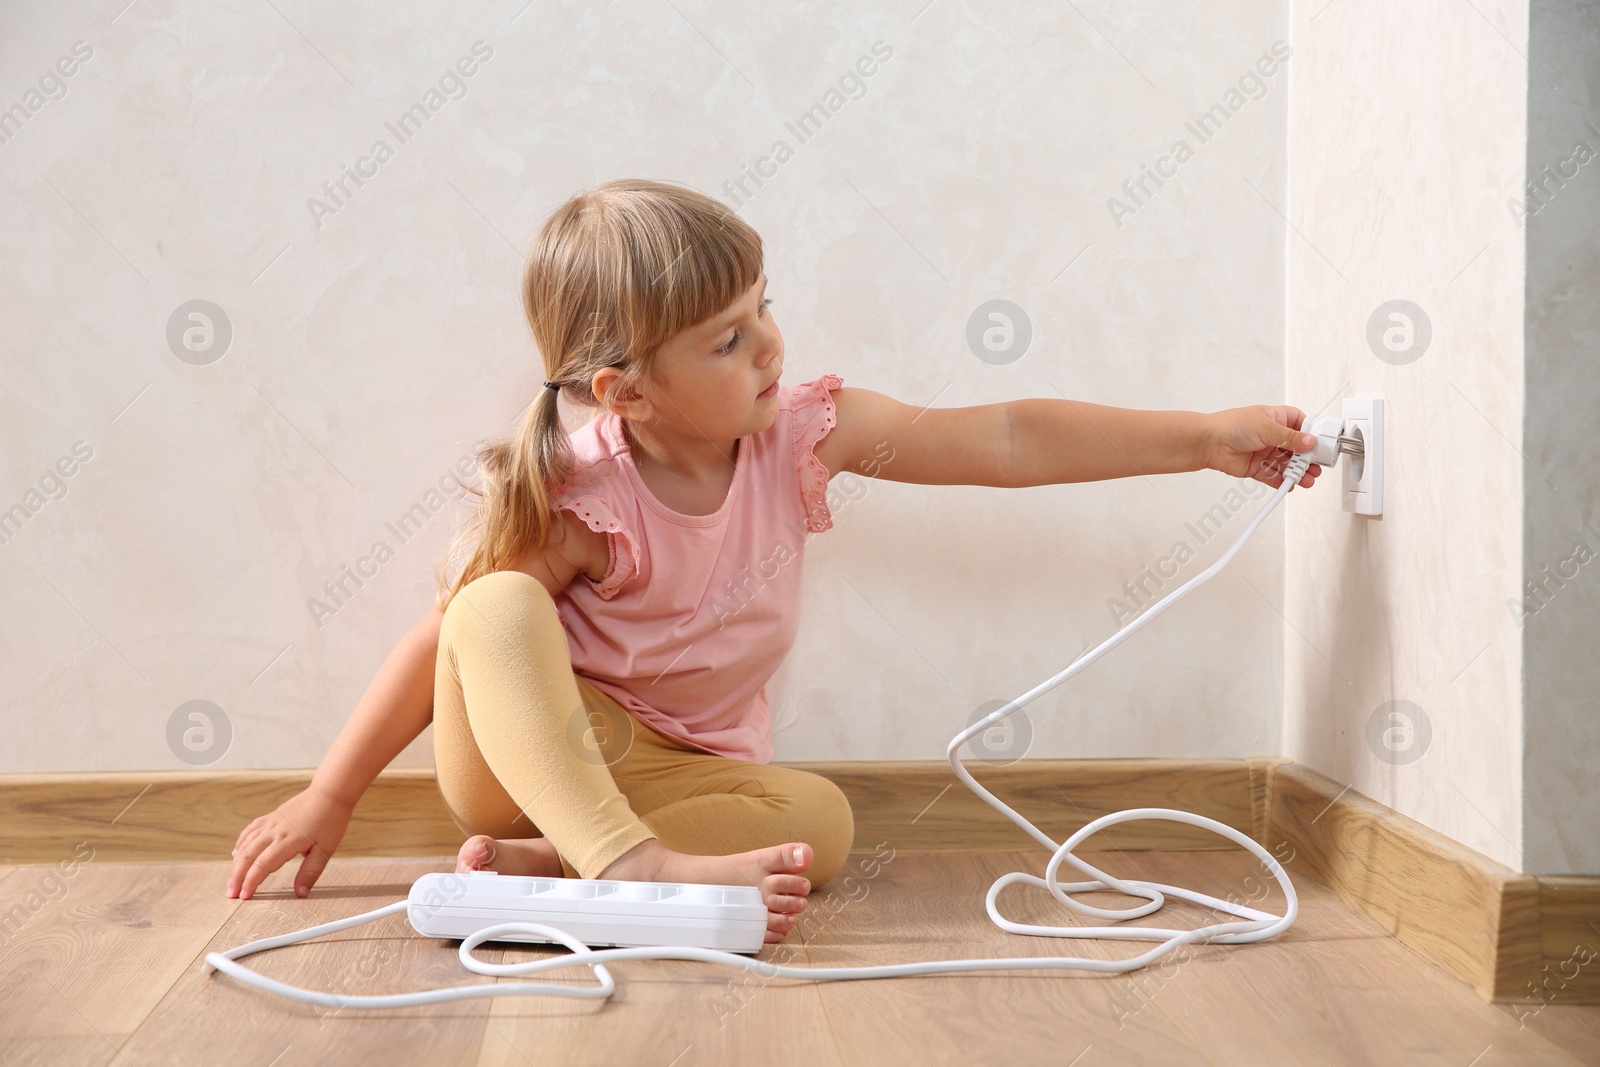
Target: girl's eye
<point>734,340</point>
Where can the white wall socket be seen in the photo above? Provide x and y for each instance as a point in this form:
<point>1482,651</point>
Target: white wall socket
<point>1363,475</point>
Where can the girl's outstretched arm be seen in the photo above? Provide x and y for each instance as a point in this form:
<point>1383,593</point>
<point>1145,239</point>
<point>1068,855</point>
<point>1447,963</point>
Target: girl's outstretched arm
<point>1058,440</point>
<point>1045,441</point>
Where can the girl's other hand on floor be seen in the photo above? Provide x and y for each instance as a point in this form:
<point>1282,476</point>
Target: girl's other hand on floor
<point>310,824</point>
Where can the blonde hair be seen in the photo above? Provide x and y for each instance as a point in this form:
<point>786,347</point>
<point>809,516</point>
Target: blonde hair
<point>614,273</point>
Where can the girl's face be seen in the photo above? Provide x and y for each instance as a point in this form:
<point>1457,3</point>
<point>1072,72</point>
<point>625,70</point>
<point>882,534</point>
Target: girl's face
<point>709,378</point>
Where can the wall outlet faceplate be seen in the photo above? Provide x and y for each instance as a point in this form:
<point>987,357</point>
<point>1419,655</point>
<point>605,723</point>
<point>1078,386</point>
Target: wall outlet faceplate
<point>1363,474</point>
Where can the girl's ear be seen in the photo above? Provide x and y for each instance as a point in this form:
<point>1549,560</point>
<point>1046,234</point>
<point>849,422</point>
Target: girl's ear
<point>615,396</point>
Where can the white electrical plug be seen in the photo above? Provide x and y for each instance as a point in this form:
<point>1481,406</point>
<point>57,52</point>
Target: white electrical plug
<point>1327,430</point>
<point>1358,435</point>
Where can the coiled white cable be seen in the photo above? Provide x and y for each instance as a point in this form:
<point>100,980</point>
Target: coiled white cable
<point>1252,925</point>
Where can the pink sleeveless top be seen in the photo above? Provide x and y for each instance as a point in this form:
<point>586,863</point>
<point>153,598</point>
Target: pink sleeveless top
<point>695,612</point>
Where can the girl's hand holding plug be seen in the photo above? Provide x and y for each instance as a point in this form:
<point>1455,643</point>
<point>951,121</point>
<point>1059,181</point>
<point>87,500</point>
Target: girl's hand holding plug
<point>1256,442</point>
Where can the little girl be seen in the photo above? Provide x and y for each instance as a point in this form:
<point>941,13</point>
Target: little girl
<point>595,674</point>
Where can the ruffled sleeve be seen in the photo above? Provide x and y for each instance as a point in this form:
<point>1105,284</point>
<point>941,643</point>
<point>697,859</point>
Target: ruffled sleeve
<point>813,413</point>
<point>623,547</point>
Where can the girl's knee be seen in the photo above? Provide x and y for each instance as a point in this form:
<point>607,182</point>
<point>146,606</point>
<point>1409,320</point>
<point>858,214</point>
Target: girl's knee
<point>492,601</point>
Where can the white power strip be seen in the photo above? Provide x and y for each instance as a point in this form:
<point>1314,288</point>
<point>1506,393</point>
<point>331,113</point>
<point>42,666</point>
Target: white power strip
<point>597,912</point>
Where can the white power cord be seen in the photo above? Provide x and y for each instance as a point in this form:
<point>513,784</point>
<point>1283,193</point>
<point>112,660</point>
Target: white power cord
<point>1252,925</point>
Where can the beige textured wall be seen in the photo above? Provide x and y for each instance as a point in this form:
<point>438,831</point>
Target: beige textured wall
<point>374,339</point>
<point>1407,135</point>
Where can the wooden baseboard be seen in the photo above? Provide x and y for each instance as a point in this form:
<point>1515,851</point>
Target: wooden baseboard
<point>1513,937</point>
<point>919,806</point>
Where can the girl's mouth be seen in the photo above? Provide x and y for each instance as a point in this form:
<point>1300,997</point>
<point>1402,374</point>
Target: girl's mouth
<point>768,391</point>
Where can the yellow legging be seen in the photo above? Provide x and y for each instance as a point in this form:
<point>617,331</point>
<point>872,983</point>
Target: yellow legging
<point>524,747</point>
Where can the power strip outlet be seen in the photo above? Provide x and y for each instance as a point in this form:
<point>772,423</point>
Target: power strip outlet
<point>599,913</point>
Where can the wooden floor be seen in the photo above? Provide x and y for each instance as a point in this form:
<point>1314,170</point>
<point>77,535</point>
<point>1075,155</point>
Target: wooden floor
<point>104,968</point>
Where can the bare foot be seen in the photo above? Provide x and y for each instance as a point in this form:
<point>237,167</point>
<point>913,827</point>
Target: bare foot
<point>774,870</point>
<point>531,856</point>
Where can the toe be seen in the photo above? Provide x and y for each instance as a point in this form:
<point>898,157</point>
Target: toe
<point>780,925</point>
<point>474,854</point>
<point>785,904</point>
<point>791,858</point>
<point>792,885</point>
